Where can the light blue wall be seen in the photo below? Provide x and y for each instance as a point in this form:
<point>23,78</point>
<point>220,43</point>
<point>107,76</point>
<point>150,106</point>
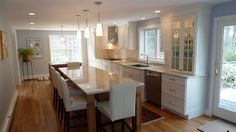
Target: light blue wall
<point>218,10</point>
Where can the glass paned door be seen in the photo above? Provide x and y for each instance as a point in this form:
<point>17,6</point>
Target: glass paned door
<point>225,101</point>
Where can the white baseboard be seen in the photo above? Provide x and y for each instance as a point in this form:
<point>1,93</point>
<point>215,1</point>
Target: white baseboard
<point>41,77</point>
<point>7,120</point>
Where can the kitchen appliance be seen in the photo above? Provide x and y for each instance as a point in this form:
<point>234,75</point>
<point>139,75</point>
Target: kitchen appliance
<point>153,87</point>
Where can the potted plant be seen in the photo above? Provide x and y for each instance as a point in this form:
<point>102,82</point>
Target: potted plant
<point>26,54</point>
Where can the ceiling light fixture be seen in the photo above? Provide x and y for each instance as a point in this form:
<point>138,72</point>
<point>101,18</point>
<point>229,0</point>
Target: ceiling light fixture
<point>62,37</point>
<point>31,14</point>
<point>86,31</point>
<point>157,11</point>
<point>79,34</point>
<point>99,31</point>
<point>31,23</point>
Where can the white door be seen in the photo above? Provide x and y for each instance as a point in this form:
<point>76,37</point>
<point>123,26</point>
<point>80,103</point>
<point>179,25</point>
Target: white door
<point>225,82</point>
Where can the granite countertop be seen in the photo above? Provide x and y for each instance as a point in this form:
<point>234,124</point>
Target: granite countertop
<point>154,68</point>
<point>93,81</point>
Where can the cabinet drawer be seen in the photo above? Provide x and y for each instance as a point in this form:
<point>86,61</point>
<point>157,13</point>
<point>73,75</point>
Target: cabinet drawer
<point>173,103</point>
<point>173,89</point>
<point>134,74</point>
<point>174,79</point>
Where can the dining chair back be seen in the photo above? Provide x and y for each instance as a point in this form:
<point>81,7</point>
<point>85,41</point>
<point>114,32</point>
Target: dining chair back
<point>122,101</point>
<point>73,65</point>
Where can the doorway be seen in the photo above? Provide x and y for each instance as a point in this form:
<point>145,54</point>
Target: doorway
<point>225,79</point>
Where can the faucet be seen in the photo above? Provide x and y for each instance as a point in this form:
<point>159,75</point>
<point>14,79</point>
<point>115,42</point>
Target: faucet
<point>147,61</point>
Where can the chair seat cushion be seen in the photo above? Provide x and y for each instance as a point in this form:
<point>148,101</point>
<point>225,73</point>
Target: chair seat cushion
<point>75,91</point>
<point>104,107</point>
<point>77,103</point>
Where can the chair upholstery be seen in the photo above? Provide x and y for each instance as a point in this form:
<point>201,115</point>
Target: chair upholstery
<point>72,103</point>
<point>122,102</point>
<point>73,65</point>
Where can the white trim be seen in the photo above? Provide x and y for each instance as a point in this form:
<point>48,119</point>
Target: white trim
<point>216,20</point>
<point>40,76</point>
<point>7,120</point>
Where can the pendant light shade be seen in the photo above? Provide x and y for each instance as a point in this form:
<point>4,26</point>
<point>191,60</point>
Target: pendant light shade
<point>79,34</point>
<point>62,37</point>
<point>99,30</point>
<point>86,31</point>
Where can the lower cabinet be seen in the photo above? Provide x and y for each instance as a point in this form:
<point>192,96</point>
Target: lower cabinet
<point>184,95</point>
<point>132,73</point>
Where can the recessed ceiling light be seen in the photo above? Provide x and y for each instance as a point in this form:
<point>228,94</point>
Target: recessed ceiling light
<point>114,23</point>
<point>157,11</point>
<point>31,14</point>
<point>143,18</point>
<point>31,23</point>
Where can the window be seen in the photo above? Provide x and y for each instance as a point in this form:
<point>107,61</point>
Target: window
<point>63,52</point>
<point>150,45</point>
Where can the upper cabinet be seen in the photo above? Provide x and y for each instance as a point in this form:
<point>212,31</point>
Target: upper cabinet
<point>188,49</point>
<point>128,36</point>
<point>183,44</point>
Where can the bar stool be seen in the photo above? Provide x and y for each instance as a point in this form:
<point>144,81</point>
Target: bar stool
<point>120,106</point>
<point>55,90</point>
<point>73,103</point>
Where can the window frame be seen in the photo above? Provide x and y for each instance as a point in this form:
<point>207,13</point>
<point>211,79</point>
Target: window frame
<point>65,34</point>
<point>141,32</point>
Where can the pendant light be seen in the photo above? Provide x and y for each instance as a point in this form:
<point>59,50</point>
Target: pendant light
<point>86,31</point>
<point>99,31</point>
<point>62,37</point>
<point>79,34</point>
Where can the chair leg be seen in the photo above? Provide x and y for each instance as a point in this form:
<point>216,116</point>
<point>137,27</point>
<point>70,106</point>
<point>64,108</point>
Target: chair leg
<point>65,118</point>
<point>134,126</point>
<point>62,110</point>
<point>123,125</point>
<point>68,121</point>
<point>112,127</point>
<point>98,120</point>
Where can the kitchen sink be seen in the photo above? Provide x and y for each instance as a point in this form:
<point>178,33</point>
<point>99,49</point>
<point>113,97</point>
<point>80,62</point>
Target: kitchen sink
<point>139,65</point>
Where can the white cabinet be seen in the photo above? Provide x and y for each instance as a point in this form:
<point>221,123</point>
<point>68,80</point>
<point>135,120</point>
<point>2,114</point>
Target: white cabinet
<point>132,73</point>
<point>183,43</point>
<point>184,95</point>
<point>123,36</point>
<point>128,36</point>
<point>189,42</point>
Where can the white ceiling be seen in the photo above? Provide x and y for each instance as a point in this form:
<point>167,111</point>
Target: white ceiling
<point>51,14</point>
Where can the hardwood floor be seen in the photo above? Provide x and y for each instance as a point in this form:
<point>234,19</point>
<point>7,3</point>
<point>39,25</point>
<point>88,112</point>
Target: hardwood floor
<point>34,113</point>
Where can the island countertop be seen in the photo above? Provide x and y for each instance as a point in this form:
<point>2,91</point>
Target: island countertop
<point>94,81</point>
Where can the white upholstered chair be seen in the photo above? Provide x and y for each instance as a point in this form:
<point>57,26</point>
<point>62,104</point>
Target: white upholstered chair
<point>121,104</point>
<point>55,90</point>
<point>71,103</point>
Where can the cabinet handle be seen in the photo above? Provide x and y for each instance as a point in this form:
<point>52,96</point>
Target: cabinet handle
<point>171,103</point>
<point>172,79</point>
<point>172,90</point>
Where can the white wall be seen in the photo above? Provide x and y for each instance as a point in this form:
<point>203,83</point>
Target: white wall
<point>7,77</point>
<point>40,65</point>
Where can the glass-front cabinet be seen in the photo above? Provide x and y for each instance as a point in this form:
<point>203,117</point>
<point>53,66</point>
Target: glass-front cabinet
<point>183,41</point>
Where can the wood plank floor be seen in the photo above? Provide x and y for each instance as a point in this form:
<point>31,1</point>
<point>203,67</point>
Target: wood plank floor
<point>34,113</point>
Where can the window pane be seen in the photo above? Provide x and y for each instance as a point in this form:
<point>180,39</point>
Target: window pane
<point>65,52</point>
<point>151,44</point>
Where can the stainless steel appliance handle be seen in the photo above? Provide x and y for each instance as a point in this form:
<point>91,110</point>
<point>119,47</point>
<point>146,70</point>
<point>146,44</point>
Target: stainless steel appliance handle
<point>155,75</point>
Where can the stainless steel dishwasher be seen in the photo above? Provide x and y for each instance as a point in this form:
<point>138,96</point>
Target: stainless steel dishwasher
<point>153,87</point>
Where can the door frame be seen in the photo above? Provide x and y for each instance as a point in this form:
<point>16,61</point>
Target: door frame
<point>213,65</point>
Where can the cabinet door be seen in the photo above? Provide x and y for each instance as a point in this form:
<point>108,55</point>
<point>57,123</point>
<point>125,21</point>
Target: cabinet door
<point>183,41</point>
<point>188,50</point>
<point>175,48</point>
